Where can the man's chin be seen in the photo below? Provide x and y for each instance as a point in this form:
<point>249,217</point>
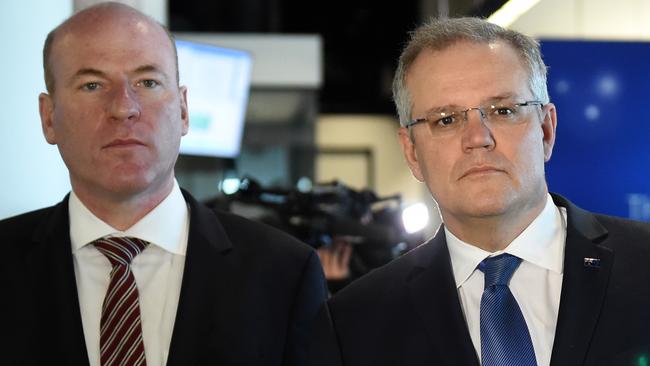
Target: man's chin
<point>128,187</point>
<point>130,182</point>
<point>487,211</point>
<point>503,203</point>
<point>488,203</point>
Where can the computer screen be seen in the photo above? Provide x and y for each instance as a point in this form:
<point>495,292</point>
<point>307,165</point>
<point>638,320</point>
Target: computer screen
<point>218,83</point>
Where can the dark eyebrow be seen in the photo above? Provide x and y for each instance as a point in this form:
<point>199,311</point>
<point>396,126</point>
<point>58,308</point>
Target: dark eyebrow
<point>87,71</point>
<point>146,68</point>
<point>500,98</point>
<point>456,107</point>
<point>444,108</point>
<point>150,68</point>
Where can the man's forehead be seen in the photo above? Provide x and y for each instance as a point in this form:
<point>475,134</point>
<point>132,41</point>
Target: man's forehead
<point>78,54</point>
<point>466,72</point>
<point>466,57</point>
<point>107,19</point>
<point>108,25</point>
<point>120,31</point>
<point>465,48</point>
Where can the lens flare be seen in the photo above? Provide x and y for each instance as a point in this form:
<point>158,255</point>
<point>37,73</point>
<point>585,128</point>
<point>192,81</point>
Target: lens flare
<point>415,217</point>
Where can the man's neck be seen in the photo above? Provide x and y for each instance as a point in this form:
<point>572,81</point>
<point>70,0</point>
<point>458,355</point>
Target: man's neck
<point>493,233</point>
<point>123,211</point>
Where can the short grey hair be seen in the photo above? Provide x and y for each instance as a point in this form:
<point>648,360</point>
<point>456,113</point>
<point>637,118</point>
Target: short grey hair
<point>438,34</point>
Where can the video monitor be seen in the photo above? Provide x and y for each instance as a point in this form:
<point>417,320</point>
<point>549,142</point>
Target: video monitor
<point>218,83</point>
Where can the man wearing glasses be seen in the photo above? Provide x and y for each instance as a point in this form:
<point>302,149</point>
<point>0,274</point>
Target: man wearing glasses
<point>515,276</point>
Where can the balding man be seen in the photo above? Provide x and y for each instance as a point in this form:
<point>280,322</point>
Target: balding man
<point>129,269</point>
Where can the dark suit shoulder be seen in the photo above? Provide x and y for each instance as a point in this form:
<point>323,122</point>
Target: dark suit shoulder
<point>246,234</point>
<point>266,285</point>
<point>606,230</point>
<point>630,243</point>
<point>395,314</point>
<point>23,224</point>
<point>381,284</point>
<point>18,233</point>
<point>625,236</point>
<point>621,225</point>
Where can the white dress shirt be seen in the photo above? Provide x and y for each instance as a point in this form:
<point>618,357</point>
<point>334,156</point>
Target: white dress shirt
<point>158,271</point>
<point>536,284</point>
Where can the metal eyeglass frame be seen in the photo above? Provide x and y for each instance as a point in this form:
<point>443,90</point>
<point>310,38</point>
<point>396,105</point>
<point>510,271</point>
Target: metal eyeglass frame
<point>415,121</point>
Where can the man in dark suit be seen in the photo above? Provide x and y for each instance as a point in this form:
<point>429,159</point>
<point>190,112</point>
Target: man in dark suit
<point>129,269</point>
<point>515,275</point>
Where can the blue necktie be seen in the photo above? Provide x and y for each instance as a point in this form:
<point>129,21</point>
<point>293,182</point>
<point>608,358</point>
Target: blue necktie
<point>505,340</point>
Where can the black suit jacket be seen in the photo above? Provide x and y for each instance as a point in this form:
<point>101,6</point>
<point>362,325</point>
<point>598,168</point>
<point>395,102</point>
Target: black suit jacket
<point>408,312</point>
<point>248,296</point>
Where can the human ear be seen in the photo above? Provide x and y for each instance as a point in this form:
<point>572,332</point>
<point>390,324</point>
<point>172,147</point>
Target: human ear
<point>549,125</point>
<point>410,153</point>
<point>46,110</point>
<point>184,114</point>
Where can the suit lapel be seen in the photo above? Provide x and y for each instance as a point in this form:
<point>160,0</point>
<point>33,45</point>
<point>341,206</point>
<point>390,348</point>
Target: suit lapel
<point>204,277</point>
<point>56,289</point>
<point>583,287</point>
<point>433,293</point>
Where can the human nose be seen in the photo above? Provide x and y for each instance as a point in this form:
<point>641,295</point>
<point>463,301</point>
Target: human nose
<point>124,104</point>
<point>476,132</point>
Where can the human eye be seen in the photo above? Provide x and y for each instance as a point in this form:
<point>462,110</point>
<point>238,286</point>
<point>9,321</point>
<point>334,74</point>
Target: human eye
<point>445,120</point>
<point>90,86</point>
<point>503,112</point>
<point>148,83</point>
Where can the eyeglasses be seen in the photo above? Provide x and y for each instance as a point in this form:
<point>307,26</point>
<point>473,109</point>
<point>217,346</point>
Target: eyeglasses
<point>504,113</point>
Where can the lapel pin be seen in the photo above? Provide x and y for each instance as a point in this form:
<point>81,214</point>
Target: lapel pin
<point>592,262</point>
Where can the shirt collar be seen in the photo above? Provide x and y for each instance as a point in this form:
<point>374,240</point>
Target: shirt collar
<point>541,243</point>
<point>166,225</point>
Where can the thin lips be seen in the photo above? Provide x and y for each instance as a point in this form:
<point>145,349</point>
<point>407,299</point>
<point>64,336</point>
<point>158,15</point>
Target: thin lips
<point>480,169</point>
<point>124,142</point>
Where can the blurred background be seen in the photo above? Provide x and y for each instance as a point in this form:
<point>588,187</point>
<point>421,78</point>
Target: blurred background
<point>292,119</point>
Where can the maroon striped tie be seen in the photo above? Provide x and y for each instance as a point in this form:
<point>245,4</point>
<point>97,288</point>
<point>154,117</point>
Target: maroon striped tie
<point>120,339</point>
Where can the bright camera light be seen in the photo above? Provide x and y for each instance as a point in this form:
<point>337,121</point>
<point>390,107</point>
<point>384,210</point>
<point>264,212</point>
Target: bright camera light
<point>304,185</point>
<point>415,217</point>
<point>230,185</point>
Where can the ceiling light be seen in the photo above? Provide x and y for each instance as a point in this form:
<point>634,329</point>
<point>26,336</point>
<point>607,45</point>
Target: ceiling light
<point>511,11</point>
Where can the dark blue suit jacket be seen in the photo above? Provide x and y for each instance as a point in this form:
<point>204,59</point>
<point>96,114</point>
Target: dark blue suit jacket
<point>248,296</point>
<point>408,312</point>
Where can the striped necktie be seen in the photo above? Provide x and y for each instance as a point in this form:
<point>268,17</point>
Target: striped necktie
<point>120,340</point>
<point>505,340</point>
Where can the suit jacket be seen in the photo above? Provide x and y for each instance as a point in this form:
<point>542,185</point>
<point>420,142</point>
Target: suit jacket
<point>248,296</point>
<point>408,312</point>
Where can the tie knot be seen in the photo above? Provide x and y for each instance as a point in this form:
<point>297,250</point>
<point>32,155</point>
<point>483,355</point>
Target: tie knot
<point>120,250</point>
<point>499,269</point>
